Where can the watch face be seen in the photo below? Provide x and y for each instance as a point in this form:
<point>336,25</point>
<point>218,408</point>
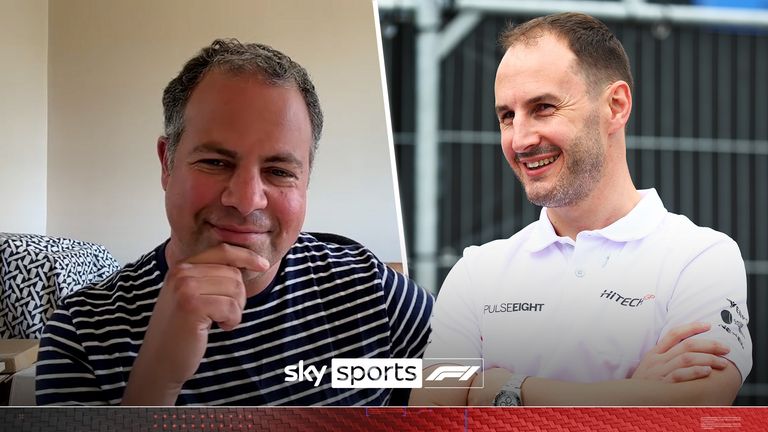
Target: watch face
<point>505,398</point>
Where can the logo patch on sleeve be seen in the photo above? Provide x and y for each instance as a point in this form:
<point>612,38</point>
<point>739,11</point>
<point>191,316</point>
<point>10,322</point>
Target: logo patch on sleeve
<point>733,321</point>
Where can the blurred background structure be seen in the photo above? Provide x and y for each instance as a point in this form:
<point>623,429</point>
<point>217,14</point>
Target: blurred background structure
<point>698,132</point>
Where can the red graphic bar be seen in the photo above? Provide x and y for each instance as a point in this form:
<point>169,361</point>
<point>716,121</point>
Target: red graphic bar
<point>386,419</point>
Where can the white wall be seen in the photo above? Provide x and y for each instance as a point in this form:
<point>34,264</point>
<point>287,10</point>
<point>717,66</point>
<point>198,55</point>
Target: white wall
<point>109,62</point>
<point>23,123</point>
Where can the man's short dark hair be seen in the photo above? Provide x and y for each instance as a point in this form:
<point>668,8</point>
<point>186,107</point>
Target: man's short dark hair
<point>230,55</point>
<point>600,57</point>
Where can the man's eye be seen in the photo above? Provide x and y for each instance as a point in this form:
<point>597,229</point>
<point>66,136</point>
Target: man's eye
<point>278,172</point>
<point>213,163</point>
<point>545,109</point>
<point>506,116</point>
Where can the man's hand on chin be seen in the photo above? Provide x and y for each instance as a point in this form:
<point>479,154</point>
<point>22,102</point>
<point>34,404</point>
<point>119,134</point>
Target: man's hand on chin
<point>197,292</point>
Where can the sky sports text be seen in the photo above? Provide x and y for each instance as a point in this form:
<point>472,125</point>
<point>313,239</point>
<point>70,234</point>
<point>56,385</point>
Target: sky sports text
<point>388,373</point>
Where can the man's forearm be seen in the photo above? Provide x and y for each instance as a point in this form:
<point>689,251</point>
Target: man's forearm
<point>720,388</point>
<point>147,390</point>
<point>456,392</point>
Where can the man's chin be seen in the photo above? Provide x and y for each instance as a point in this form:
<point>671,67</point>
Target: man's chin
<point>538,196</point>
<point>260,249</point>
<point>556,198</point>
<point>243,245</point>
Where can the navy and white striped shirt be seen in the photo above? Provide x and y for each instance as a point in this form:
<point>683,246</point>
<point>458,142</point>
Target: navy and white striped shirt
<point>329,299</point>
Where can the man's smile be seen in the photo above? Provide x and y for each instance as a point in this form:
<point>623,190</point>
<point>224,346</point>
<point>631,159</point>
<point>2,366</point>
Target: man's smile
<point>240,235</point>
<point>541,162</point>
<point>535,163</point>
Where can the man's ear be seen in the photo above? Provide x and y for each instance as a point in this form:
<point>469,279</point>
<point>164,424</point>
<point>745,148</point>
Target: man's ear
<point>620,105</point>
<point>162,153</point>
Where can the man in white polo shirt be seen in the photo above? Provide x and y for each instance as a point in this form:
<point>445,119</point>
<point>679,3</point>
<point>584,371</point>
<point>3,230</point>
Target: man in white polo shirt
<point>608,298</point>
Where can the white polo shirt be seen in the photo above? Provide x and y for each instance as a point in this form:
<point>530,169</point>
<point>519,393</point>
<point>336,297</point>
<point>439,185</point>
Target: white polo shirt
<point>588,310</point>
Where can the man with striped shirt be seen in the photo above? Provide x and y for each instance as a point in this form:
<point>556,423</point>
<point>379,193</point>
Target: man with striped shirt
<point>238,293</point>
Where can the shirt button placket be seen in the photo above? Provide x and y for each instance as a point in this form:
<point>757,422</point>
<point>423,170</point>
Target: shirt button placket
<point>580,255</point>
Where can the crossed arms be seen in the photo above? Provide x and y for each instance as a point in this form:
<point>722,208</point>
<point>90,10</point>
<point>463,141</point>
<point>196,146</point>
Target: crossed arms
<point>677,371</point>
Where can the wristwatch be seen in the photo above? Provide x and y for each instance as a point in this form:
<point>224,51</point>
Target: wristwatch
<point>510,393</point>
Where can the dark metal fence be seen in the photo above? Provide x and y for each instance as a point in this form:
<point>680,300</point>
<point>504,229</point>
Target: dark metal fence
<point>699,134</point>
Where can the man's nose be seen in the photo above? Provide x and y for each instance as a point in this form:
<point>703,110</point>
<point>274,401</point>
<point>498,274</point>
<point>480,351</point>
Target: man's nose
<point>245,191</point>
<point>525,135</point>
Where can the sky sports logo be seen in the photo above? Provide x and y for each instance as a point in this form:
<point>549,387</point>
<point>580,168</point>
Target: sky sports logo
<point>389,373</point>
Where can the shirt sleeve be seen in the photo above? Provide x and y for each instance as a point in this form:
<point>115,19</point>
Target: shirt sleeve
<point>713,288</point>
<point>456,331</point>
<point>63,376</point>
<point>409,308</point>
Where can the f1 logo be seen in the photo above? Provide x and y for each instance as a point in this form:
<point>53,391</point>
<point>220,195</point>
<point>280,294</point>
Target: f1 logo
<point>463,373</point>
<point>457,372</point>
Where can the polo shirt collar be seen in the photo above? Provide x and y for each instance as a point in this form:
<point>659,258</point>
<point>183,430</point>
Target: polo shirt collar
<point>638,223</point>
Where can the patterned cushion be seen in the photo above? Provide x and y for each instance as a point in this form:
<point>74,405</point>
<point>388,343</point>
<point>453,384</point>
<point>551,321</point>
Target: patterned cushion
<point>36,271</point>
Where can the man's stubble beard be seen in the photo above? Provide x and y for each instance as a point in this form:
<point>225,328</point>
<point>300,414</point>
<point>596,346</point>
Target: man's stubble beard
<point>582,172</point>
